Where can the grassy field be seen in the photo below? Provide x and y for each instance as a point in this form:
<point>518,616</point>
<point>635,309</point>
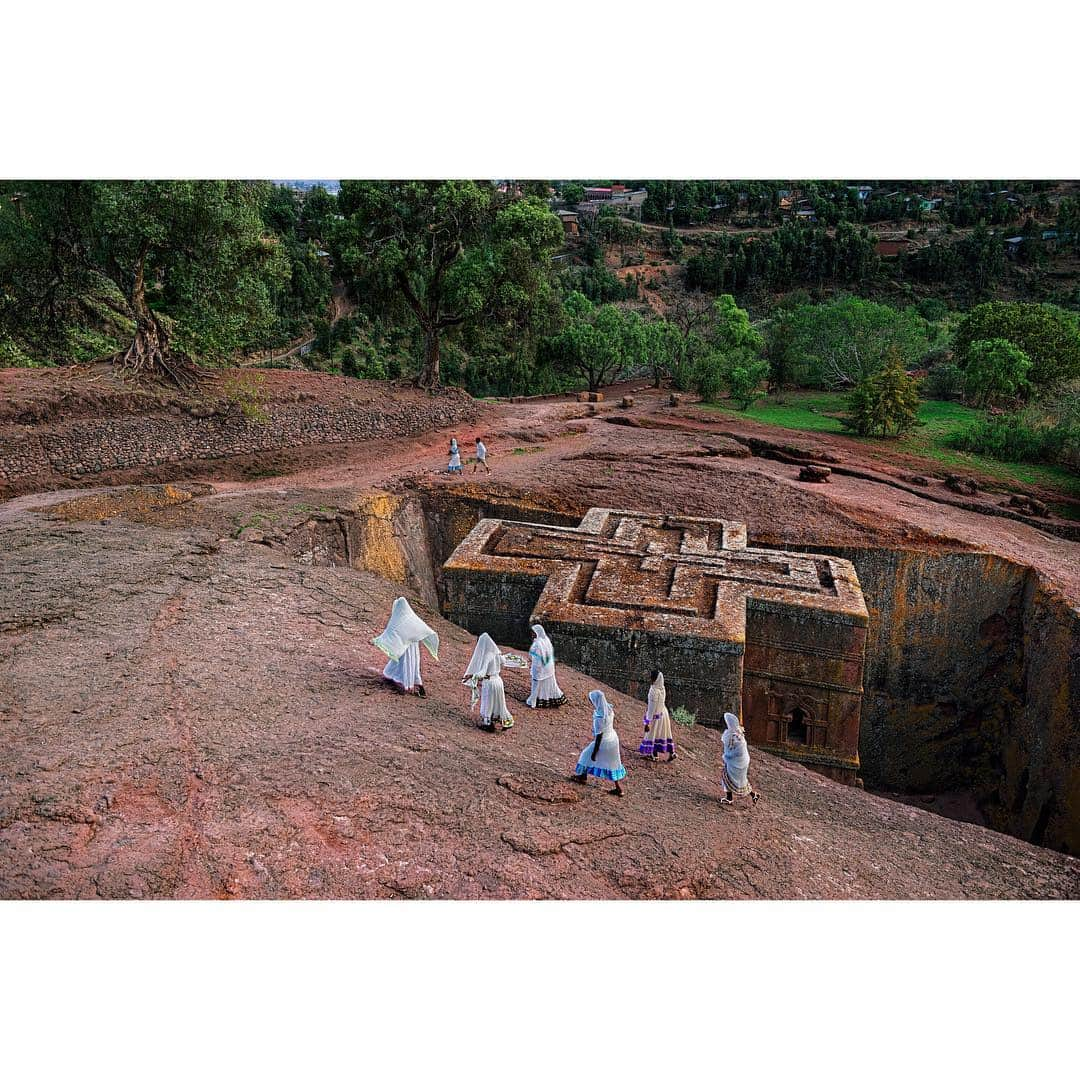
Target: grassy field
<point>811,410</point>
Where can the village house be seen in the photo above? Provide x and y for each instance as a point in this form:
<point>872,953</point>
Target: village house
<point>890,249</point>
<point>627,203</point>
<point>569,221</point>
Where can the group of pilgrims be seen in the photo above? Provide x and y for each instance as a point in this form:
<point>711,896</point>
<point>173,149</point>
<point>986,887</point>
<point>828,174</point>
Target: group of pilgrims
<point>602,757</point>
<point>455,465</point>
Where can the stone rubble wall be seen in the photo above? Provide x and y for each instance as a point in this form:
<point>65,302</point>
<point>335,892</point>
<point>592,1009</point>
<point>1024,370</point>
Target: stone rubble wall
<point>34,460</point>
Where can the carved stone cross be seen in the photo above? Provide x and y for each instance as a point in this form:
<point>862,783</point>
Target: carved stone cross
<point>775,636</point>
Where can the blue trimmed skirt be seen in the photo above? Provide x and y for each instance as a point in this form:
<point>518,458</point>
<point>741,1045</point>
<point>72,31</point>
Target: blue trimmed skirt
<point>603,774</point>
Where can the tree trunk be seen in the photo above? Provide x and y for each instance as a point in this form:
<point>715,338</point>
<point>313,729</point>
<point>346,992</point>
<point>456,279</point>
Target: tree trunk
<point>429,375</point>
<point>149,352</point>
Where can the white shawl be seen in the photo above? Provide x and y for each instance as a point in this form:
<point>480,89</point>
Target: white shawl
<point>404,630</point>
<point>736,752</point>
<point>486,661</point>
<point>542,649</point>
<point>603,713</point>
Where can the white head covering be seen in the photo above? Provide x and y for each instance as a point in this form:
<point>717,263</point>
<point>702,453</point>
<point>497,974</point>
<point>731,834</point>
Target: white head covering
<point>602,710</point>
<point>736,752</point>
<point>486,660</point>
<point>405,629</point>
<point>453,445</point>
<point>658,683</point>
<point>546,649</point>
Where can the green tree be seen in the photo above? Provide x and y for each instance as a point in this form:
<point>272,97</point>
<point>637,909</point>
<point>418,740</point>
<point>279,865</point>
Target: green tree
<point>596,342</point>
<point>744,374</point>
<point>449,251</point>
<point>849,339</point>
<point>1047,335</point>
<point>317,213</point>
<point>664,343</point>
<point>885,402</point>
<point>730,327</point>
<point>572,193</point>
<point>1068,224</point>
<point>200,250</point>
<point>996,371</point>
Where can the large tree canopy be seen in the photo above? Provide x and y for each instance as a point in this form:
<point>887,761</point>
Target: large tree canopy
<point>1048,335</point>
<point>451,250</point>
<point>843,342</point>
<point>191,262</point>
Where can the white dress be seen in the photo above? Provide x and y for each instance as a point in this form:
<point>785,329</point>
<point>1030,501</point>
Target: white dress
<point>493,700</point>
<point>483,678</point>
<point>455,459</point>
<point>545,690</point>
<point>608,764</point>
<point>401,641</point>
<point>405,670</point>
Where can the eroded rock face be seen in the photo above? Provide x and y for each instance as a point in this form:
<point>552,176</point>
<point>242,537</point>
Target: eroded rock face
<point>775,638</point>
<point>972,684</point>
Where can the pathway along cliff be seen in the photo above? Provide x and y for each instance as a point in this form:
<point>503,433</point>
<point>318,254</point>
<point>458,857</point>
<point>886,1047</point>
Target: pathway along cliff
<point>193,708</point>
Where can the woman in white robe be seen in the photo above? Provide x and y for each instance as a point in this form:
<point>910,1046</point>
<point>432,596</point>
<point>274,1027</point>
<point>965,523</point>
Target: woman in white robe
<point>601,758</point>
<point>735,772</point>
<point>545,690</point>
<point>401,641</point>
<point>455,458</point>
<point>482,675</point>
<point>657,738</point>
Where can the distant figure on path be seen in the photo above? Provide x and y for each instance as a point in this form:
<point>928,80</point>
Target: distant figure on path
<point>455,458</point>
<point>482,676</point>
<point>657,738</point>
<point>401,641</point>
<point>545,690</point>
<point>601,757</point>
<point>735,772</point>
<point>481,457</point>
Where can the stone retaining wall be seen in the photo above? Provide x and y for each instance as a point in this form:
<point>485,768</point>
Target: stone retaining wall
<point>33,460</point>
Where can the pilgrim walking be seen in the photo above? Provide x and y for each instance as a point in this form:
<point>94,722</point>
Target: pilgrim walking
<point>735,772</point>
<point>401,641</point>
<point>455,458</point>
<point>601,758</point>
<point>481,457</point>
<point>657,738</point>
<point>545,690</point>
<point>483,678</point>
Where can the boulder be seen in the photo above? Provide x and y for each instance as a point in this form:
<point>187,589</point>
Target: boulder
<point>962,485</point>
<point>815,474</point>
<point>627,402</point>
<point>675,399</point>
<point>1025,504</point>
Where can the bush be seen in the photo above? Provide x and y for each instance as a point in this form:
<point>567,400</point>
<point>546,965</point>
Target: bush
<point>744,376</point>
<point>1049,336</point>
<point>11,355</point>
<point>1015,438</point>
<point>996,371</point>
<point>682,715</point>
<point>932,309</point>
<point>945,382</point>
<point>709,378</point>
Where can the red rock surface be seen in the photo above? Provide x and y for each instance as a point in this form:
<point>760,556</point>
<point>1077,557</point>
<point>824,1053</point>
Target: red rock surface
<point>186,716</point>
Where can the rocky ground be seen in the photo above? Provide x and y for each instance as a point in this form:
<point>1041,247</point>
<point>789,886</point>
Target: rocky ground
<point>187,715</point>
<point>189,712</point>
